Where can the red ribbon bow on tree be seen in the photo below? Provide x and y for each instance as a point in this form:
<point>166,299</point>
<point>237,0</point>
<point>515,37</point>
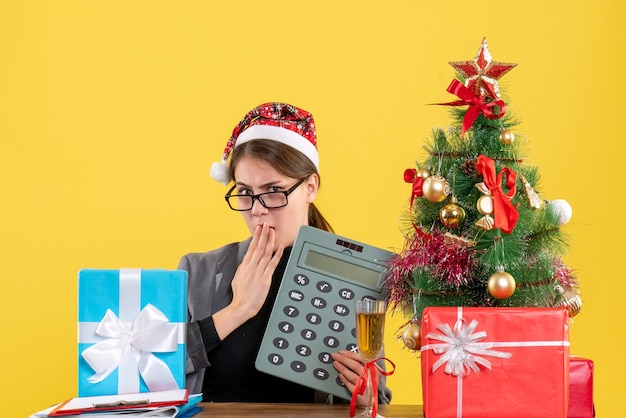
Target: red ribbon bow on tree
<point>410,176</point>
<point>504,212</point>
<point>477,104</point>
<point>369,372</point>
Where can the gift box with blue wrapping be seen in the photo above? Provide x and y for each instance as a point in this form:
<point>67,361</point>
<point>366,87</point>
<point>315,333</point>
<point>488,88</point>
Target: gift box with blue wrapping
<point>131,330</point>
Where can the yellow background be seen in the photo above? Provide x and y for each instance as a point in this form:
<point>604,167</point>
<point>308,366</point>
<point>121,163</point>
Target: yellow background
<point>112,111</point>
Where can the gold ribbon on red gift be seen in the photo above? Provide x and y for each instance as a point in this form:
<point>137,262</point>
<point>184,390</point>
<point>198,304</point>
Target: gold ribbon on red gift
<point>504,212</point>
<point>369,373</point>
<point>477,105</point>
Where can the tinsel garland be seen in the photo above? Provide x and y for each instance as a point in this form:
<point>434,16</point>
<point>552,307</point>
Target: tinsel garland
<point>450,264</point>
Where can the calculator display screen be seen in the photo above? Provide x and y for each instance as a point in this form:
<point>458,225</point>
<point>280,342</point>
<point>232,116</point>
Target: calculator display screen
<point>341,268</point>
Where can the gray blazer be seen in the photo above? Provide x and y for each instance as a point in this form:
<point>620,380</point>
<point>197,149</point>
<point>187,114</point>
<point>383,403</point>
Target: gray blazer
<point>210,276</point>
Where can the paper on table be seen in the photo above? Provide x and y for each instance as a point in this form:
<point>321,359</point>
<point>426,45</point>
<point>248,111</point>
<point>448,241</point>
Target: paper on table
<point>100,404</point>
<point>161,412</point>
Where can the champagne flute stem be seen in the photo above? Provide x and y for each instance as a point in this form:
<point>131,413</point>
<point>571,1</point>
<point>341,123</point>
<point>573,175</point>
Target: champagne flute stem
<point>369,396</point>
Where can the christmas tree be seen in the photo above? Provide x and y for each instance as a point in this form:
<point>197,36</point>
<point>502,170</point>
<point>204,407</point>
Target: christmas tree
<point>479,233</point>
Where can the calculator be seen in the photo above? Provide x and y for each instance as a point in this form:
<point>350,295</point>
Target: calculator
<point>313,315</point>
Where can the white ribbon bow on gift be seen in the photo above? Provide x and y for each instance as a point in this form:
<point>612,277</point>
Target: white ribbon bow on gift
<point>150,332</point>
<point>461,349</point>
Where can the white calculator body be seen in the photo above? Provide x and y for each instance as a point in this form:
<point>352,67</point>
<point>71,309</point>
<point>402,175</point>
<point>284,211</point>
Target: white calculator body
<point>313,315</point>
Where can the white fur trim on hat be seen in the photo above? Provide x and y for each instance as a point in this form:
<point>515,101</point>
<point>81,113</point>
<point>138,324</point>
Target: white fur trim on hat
<point>286,136</point>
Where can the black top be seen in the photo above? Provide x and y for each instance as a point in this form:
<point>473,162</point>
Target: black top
<point>231,376</point>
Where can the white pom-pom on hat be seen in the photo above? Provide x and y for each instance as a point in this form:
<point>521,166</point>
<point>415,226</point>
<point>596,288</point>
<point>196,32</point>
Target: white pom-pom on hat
<point>219,172</point>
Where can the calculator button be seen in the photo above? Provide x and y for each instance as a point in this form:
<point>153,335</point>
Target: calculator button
<point>301,279</point>
<point>321,374</point>
<point>324,287</point>
<point>280,342</point>
<point>275,359</point>
<point>339,382</point>
<point>303,350</point>
<point>291,311</point>
<point>296,295</point>
<point>335,325</point>
<point>286,327</point>
<point>308,334</point>
<point>318,303</point>
<point>353,332</point>
<point>331,342</point>
<point>298,366</point>
<point>325,358</point>
<point>313,318</point>
<point>341,310</point>
<point>352,347</point>
<point>346,294</point>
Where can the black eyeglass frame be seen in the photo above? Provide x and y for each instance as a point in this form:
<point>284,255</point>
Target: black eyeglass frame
<point>259,197</point>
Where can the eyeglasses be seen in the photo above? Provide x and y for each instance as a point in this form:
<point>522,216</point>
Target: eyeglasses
<point>269,200</point>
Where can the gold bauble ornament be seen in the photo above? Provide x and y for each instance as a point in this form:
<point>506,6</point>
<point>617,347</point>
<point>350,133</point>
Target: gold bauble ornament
<point>507,137</point>
<point>436,188</point>
<point>571,301</point>
<point>501,285</point>
<point>452,215</point>
<point>423,173</point>
<point>412,336</point>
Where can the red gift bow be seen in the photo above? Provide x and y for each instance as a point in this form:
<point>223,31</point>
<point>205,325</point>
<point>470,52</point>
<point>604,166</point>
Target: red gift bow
<point>505,213</point>
<point>476,105</point>
<point>361,384</point>
<point>410,176</point>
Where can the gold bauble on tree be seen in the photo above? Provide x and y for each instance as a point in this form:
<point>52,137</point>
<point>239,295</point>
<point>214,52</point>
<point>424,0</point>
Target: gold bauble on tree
<point>570,300</point>
<point>507,137</point>
<point>423,173</point>
<point>412,336</point>
<point>501,285</point>
<point>452,215</point>
<point>436,188</point>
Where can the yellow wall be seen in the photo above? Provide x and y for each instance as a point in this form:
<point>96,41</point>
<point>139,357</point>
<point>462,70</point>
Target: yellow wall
<point>112,111</point>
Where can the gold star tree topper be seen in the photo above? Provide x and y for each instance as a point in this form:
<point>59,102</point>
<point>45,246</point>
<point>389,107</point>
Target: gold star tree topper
<point>481,73</point>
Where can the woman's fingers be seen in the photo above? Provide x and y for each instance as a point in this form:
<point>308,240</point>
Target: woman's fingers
<point>261,247</point>
<point>349,365</point>
<point>254,276</point>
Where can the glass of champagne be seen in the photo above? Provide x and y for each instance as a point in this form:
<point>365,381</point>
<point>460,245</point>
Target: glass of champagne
<point>370,327</point>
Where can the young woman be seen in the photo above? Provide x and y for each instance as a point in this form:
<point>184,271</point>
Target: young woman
<point>274,167</point>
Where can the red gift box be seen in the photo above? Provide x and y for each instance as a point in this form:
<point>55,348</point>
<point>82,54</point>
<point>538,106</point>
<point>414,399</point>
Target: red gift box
<point>580,388</point>
<point>495,362</point>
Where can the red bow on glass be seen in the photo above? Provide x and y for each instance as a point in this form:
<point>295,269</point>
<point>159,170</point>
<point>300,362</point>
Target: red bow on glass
<point>477,104</point>
<point>369,372</point>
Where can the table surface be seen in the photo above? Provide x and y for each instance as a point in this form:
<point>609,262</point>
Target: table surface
<point>238,409</point>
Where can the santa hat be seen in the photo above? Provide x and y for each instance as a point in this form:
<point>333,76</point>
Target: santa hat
<point>274,121</point>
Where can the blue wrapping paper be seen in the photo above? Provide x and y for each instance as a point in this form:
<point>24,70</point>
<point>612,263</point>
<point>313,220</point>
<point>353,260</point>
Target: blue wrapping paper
<point>131,330</point>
